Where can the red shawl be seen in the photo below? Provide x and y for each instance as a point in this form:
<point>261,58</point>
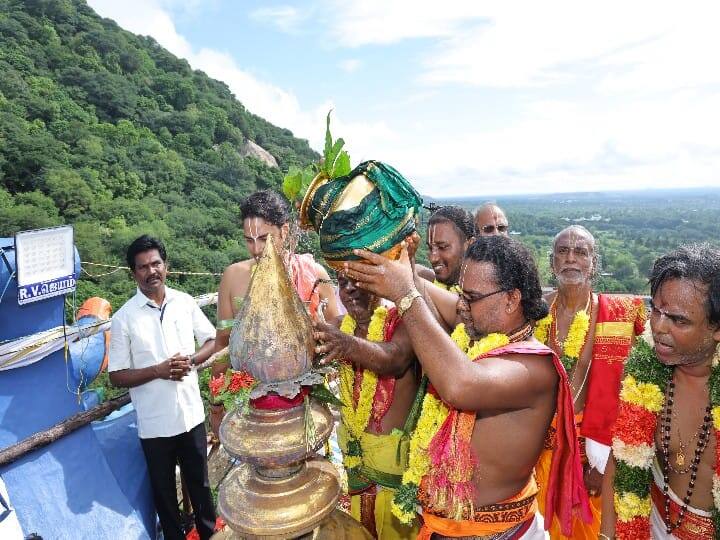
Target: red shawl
<point>620,318</point>
<point>385,390</point>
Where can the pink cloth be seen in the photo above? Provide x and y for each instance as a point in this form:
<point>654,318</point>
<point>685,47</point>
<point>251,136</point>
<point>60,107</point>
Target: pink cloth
<point>304,272</point>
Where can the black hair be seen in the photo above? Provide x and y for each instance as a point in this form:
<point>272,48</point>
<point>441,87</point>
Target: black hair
<point>141,244</point>
<point>695,262</point>
<point>514,269</point>
<point>461,218</point>
<point>268,205</point>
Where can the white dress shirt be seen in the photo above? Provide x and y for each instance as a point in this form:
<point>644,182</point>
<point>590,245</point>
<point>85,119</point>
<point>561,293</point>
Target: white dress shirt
<point>145,334</point>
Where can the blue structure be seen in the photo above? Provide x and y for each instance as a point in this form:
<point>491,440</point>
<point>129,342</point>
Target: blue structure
<point>92,483</point>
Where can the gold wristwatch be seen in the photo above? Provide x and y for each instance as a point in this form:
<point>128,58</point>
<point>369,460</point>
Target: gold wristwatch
<point>406,301</point>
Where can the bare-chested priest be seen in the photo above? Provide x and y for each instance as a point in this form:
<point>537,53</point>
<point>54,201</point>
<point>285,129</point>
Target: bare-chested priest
<point>494,390</point>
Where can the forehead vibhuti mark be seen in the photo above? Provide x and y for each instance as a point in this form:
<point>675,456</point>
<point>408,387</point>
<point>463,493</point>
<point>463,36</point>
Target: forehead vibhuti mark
<point>686,300</point>
<point>254,223</point>
<point>572,239</point>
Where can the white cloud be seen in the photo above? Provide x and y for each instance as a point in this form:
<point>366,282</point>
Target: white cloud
<point>607,96</point>
<point>373,22</point>
<point>510,43</point>
<point>613,95</point>
<point>350,65</point>
<point>284,18</point>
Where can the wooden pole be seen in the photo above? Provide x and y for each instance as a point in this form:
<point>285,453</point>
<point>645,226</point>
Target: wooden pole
<point>76,421</point>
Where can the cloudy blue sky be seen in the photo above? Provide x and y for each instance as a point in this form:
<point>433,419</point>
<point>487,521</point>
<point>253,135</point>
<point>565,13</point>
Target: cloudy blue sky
<point>470,98</point>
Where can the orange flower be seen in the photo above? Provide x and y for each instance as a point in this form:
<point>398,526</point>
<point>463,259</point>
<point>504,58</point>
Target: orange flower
<point>240,380</point>
<point>634,424</point>
<point>636,529</point>
<point>216,385</point>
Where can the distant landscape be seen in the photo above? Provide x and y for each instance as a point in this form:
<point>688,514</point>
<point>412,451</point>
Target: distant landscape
<point>632,227</point>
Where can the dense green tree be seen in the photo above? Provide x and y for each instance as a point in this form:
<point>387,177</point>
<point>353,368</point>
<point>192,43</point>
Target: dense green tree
<point>110,132</point>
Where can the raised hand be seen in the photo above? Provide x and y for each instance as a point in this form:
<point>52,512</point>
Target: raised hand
<point>381,276</point>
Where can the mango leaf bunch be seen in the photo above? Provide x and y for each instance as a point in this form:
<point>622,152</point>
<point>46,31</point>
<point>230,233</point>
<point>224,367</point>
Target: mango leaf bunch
<point>334,163</point>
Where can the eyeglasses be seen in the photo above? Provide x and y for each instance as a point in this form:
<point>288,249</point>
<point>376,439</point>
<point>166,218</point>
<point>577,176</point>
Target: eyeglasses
<point>489,229</point>
<point>471,297</point>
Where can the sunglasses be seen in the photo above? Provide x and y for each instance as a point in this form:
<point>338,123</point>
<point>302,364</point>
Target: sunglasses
<point>471,297</point>
<point>489,229</point>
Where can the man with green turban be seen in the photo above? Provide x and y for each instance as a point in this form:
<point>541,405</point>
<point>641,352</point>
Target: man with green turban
<point>372,207</point>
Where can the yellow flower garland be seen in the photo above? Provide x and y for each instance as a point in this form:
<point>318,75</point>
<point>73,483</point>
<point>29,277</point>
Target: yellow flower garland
<point>542,329</point>
<point>433,414</point>
<point>574,341</point>
<point>356,419</point>
<point>451,288</point>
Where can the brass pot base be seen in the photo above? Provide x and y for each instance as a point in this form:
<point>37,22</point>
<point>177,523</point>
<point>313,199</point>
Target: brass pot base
<point>337,526</point>
<point>273,438</point>
<point>257,506</point>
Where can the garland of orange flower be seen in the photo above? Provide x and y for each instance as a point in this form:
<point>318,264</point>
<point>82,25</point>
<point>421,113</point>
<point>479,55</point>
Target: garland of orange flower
<point>574,341</point>
<point>356,419</point>
<point>433,414</point>
<point>642,397</point>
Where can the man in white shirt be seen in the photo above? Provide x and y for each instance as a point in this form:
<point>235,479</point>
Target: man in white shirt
<point>152,352</point>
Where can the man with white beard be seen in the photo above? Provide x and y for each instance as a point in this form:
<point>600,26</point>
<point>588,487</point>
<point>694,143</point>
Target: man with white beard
<point>592,333</point>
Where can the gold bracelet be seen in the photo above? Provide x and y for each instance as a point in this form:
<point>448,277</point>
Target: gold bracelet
<point>602,536</point>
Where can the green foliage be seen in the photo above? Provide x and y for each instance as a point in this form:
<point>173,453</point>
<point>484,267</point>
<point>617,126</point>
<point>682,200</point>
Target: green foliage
<point>644,365</point>
<point>297,181</point>
<point>632,479</point>
<point>111,133</point>
<point>335,162</point>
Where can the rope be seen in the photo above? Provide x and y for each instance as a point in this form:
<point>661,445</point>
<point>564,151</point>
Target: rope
<point>7,284</point>
<point>11,353</point>
<point>100,275</point>
<point>116,268</point>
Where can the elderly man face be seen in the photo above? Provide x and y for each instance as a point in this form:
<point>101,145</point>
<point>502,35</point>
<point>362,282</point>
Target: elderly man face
<point>573,257</point>
<point>490,220</point>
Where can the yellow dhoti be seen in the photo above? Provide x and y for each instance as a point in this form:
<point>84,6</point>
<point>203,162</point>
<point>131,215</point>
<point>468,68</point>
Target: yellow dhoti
<point>384,458</point>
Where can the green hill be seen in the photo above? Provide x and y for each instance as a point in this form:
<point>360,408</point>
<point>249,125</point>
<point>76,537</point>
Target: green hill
<point>110,132</point>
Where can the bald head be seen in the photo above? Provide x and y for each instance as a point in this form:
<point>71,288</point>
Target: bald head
<point>574,257</point>
<point>490,220</point>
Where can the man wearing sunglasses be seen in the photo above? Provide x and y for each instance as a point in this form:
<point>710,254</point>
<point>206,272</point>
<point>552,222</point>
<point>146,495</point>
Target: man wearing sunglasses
<point>490,220</point>
<point>480,479</point>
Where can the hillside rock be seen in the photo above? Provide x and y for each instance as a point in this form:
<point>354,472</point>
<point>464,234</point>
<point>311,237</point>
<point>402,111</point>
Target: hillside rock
<point>249,148</point>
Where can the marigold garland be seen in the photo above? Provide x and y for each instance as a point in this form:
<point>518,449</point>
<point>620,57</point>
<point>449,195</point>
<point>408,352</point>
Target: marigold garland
<point>574,341</point>
<point>433,414</point>
<point>451,288</point>
<point>642,398</point>
<point>356,418</point>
